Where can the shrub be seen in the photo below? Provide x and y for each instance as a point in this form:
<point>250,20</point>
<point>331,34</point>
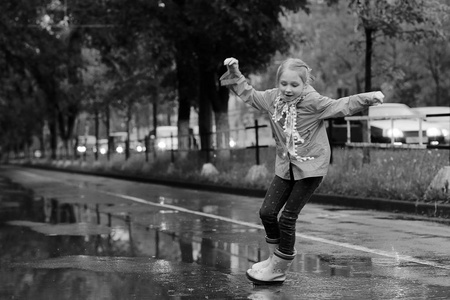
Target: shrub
<point>401,174</point>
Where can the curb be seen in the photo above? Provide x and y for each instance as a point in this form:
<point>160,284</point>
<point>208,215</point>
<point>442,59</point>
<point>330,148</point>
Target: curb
<point>434,210</point>
<point>397,206</point>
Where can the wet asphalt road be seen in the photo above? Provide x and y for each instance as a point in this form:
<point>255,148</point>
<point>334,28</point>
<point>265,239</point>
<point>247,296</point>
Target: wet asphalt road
<point>86,237</point>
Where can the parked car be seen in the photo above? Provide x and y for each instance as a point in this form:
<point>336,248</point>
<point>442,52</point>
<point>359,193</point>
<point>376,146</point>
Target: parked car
<point>85,144</point>
<point>442,121</point>
<point>166,137</point>
<point>139,146</point>
<point>402,124</point>
<point>102,146</point>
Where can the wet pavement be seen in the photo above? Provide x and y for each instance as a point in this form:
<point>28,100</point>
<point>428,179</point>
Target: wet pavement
<point>68,236</point>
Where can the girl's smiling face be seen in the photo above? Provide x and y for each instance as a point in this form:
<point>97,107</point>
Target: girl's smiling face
<point>290,85</point>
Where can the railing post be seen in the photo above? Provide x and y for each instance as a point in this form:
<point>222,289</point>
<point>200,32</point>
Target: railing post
<point>349,139</point>
<point>420,132</point>
<point>146,145</point>
<point>172,155</point>
<point>392,131</point>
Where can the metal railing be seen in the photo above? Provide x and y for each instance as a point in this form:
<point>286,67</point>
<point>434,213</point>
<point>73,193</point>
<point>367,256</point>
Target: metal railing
<point>252,139</point>
<point>367,120</point>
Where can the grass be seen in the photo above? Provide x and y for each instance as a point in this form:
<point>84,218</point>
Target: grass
<point>391,174</point>
<point>399,174</point>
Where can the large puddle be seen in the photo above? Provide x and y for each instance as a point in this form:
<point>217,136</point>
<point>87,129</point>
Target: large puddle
<point>71,247</point>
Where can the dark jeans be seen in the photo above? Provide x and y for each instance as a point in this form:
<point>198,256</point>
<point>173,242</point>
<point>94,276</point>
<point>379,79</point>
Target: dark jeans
<point>294,194</point>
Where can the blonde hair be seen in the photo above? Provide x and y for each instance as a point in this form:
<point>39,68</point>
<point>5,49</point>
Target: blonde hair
<point>298,65</point>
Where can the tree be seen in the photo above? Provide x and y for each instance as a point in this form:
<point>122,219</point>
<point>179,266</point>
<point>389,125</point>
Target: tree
<point>436,56</point>
<point>41,38</point>
<point>26,45</point>
<point>204,33</point>
<point>19,111</point>
<point>405,20</point>
<point>327,40</point>
<point>410,20</point>
<point>136,53</point>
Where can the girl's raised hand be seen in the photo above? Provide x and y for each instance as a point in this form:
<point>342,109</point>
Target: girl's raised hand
<point>378,98</point>
<point>232,65</point>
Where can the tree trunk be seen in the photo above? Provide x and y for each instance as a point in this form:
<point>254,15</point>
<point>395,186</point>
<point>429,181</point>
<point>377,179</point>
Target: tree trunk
<point>368,64</point>
<point>97,149</point>
<point>108,129</point>
<point>127,141</point>
<point>220,107</point>
<point>52,126</point>
<point>52,117</point>
<point>185,95</point>
<point>222,130</point>
<point>66,121</point>
<point>433,66</point>
<point>155,121</point>
<point>368,87</point>
<point>204,115</point>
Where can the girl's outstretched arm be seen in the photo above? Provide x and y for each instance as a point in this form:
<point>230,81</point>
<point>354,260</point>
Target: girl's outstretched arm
<point>330,108</point>
<point>237,83</point>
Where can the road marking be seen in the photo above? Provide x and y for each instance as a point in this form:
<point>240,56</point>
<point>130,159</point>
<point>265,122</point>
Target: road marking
<point>395,255</point>
<point>391,254</point>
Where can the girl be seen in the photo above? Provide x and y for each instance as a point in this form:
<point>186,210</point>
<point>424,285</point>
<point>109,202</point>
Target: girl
<point>297,114</point>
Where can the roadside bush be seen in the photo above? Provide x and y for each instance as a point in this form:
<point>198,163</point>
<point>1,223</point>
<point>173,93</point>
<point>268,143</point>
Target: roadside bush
<point>400,174</point>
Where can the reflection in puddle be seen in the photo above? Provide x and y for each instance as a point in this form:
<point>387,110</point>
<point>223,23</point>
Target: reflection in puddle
<point>71,248</point>
<point>109,237</point>
<point>80,229</point>
<point>110,230</point>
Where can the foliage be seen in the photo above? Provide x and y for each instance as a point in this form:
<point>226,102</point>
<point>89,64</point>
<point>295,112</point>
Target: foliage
<point>413,21</point>
<point>415,74</point>
<point>410,20</point>
<point>393,174</point>
<point>206,32</point>
<point>61,58</point>
<point>37,41</point>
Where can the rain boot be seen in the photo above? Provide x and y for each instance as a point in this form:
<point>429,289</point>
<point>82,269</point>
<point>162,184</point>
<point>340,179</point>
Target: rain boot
<point>272,244</point>
<point>275,272</point>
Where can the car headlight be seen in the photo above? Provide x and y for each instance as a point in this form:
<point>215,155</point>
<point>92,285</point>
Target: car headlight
<point>434,132</point>
<point>140,148</point>
<point>119,149</point>
<point>103,150</point>
<point>162,145</point>
<point>81,149</point>
<point>232,143</point>
<point>394,132</point>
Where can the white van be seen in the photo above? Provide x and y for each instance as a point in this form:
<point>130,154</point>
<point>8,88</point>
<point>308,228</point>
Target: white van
<point>166,138</point>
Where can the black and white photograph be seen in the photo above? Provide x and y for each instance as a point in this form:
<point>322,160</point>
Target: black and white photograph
<point>224,149</point>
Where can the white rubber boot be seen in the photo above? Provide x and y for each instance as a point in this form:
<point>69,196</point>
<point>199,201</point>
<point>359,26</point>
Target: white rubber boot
<point>275,272</point>
<point>272,244</point>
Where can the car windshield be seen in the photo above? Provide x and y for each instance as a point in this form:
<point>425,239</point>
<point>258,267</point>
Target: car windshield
<point>435,110</point>
<point>163,132</point>
<point>381,111</point>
